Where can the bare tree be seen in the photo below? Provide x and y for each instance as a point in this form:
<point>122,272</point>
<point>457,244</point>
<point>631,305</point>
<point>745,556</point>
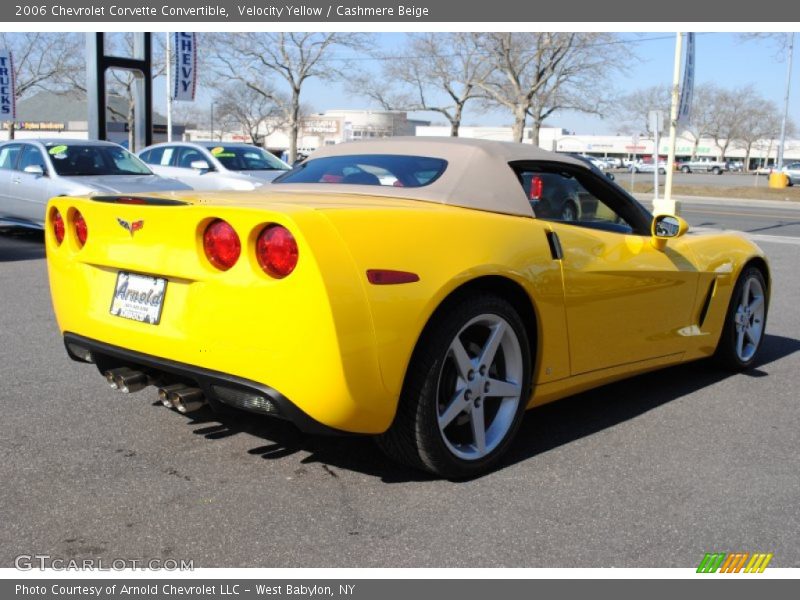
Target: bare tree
<point>256,58</point>
<point>537,74</point>
<point>703,114</point>
<point>759,122</point>
<point>632,111</point>
<point>43,61</point>
<point>438,72</point>
<point>257,114</point>
<point>726,119</point>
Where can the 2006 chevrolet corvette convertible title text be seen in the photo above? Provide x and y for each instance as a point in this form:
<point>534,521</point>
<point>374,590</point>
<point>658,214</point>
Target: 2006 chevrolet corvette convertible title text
<point>423,290</point>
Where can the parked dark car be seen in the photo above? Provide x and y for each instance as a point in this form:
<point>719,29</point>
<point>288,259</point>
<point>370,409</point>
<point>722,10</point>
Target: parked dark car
<point>554,196</point>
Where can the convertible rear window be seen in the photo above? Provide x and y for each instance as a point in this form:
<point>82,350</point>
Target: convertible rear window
<point>368,169</point>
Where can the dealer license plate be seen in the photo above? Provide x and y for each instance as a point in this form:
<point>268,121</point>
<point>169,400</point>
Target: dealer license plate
<point>138,297</point>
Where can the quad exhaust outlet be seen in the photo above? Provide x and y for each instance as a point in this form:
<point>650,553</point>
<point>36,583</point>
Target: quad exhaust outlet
<point>179,396</point>
<point>126,380</point>
<point>164,393</point>
<point>186,399</point>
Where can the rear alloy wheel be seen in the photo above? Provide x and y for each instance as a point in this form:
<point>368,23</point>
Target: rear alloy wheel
<point>465,392</point>
<point>745,321</point>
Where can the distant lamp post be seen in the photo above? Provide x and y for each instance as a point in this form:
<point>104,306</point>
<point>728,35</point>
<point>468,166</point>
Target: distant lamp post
<point>782,145</point>
<point>212,122</point>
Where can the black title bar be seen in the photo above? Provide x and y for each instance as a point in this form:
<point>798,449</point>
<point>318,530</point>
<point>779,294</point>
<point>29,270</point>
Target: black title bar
<point>386,11</point>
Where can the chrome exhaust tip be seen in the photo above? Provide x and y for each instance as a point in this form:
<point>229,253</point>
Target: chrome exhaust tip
<point>187,399</point>
<point>112,374</point>
<point>164,393</point>
<point>127,383</point>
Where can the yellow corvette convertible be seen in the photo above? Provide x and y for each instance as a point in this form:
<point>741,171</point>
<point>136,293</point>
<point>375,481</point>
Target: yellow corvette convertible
<point>423,290</point>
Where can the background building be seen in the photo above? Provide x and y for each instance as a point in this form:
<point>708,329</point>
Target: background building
<point>323,129</point>
<point>557,139</point>
<point>48,114</point>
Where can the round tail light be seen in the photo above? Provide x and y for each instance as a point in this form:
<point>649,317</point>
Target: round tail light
<point>276,251</point>
<point>58,226</point>
<point>81,231</point>
<point>221,245</point>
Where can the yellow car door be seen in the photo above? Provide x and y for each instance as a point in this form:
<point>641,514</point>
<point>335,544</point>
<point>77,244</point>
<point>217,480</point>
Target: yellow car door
<point>626,301</point>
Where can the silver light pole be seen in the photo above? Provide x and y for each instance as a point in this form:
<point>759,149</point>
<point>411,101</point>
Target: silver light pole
<point>169,88</point>
<point>786,101</point>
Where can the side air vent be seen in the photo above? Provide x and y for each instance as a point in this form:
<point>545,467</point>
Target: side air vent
<point>555,245</point>
<point>706,303</point>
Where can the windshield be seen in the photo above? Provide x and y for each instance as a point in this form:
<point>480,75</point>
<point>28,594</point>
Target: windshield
<point>247,158</point>
<point>368,169</point>
<point>73,160</point>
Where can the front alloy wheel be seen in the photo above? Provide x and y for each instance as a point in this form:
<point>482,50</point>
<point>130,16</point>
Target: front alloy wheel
<point>745,321</point>
<point>465,391</point>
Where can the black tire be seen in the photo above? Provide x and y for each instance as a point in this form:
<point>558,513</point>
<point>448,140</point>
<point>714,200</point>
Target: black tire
<point>685,170</point>
<point>415,437</point>
<point>662,171</point>
<point>726,354</point>
<point>716,171</point>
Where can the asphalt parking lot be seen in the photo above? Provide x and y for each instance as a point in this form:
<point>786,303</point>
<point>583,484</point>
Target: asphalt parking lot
<point>651,472</point>
<point>703,179</point>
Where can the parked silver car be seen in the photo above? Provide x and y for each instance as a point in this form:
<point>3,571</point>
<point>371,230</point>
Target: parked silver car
<point>33,171</point>
<point>793,171</point>
<point>647,167</point>
<point>212,166</point>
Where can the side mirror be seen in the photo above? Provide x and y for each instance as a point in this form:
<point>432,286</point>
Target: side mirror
<point>200,165</point>
<point>35,170</point>
<point>665,227</point>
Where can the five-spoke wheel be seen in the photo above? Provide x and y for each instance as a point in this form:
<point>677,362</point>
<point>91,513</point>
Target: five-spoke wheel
<point>743,331</point>
<point>466,389</point>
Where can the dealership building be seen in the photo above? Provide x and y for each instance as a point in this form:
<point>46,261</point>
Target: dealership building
<point>325,129</point>
<point>53,115</point>
<point>557,139</point>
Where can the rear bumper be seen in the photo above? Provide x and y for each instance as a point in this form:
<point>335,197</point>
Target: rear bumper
<point>214,384</point>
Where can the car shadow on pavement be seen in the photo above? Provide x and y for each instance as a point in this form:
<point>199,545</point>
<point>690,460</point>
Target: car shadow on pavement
<point>349,452</point>
<point>543,428</point>
<point>21,244</point>
<point>584,414</point>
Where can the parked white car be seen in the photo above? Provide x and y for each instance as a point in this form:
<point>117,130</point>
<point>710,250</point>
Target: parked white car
<point>34,170</point>
<point>763,170</point>
<point>212,166</point>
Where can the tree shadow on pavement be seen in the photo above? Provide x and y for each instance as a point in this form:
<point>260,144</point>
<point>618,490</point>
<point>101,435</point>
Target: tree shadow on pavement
<point>21,244</point>
<point>543,428</point>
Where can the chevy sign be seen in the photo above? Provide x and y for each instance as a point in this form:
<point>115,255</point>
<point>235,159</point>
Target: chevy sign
<point>185,82</point>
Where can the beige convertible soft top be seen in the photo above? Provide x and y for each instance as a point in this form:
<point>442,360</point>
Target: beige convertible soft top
<point>477,173</point>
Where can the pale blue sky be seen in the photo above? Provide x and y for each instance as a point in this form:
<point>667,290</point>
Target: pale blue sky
<point>723,58</point>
